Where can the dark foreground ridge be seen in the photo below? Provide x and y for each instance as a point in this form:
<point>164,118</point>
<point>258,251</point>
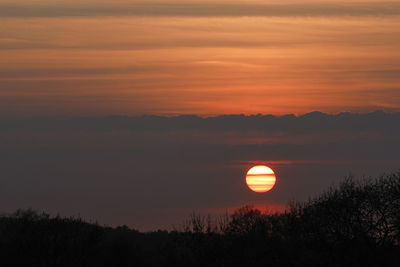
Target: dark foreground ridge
<point>353,224</point>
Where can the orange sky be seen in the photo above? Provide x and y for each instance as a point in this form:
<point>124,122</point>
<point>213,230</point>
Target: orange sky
<point>179,59</point>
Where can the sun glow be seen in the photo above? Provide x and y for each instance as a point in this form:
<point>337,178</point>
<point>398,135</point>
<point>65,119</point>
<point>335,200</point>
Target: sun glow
<point>260,179</point>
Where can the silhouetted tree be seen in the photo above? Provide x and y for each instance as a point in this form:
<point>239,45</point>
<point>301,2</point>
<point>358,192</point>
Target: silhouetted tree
<point>355,223</point>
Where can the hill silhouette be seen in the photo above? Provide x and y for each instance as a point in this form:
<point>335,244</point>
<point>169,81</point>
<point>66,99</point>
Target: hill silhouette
<point>356,223</point>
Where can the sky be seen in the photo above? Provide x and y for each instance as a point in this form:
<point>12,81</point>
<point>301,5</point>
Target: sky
<point>206,57</point>
<point>141,112</point>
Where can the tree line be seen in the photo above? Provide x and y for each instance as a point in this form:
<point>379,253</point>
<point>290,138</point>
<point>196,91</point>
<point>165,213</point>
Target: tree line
<point>356,223</point>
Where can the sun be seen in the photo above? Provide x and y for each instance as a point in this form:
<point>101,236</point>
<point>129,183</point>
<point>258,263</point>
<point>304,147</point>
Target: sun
<point>260,178</point>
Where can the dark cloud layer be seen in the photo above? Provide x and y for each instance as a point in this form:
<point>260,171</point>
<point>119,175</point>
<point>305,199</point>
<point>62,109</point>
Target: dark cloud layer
<point>307,123</point>
<point>152,171</point>
<point>206,9</point>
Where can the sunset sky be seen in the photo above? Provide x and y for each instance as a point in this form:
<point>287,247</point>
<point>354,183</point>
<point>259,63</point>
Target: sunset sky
<point>123,111</point>
<point>206,57</point>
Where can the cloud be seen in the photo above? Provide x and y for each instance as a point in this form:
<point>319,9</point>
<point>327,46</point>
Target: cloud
<point>200,9</point>
<point>122,169</point>
<point>307,123</point>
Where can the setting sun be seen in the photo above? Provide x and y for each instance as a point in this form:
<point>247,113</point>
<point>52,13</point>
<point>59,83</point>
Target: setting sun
<point>260,179</point>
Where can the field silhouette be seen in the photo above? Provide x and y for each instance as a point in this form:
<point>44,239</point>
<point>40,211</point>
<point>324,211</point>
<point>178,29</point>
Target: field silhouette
<point>356,223</point>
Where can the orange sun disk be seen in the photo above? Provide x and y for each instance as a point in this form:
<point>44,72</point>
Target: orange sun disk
<point>260,179</point>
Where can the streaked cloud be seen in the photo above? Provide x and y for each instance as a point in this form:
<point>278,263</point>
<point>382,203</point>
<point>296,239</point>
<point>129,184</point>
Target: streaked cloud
<point>193,9</point>
<point>295,58</point>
